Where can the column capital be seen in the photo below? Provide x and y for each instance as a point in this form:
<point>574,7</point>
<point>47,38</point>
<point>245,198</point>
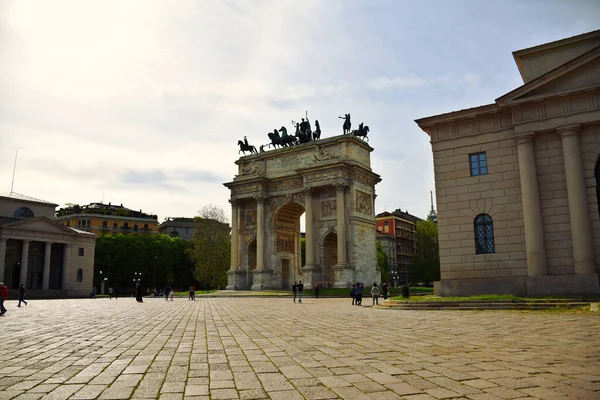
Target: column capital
<point>260,199</point>
<point>525,138</point>
<point>234,203</point>
<point>569,130</point>
<point>308,191</point>
<point>340,186</point>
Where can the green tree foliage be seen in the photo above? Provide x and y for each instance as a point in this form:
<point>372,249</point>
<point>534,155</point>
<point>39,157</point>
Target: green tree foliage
<point>426,261</point>
<point>382,262</point>
<point>161,259</point>
<point>211,248</point>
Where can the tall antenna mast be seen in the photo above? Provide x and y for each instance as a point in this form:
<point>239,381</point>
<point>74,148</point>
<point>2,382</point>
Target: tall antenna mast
<point>14,169</point>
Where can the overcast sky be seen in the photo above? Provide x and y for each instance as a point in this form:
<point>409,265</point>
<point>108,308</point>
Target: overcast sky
<point>142,102</point>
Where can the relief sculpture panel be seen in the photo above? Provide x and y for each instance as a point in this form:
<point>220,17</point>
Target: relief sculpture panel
<point>251,218</point>
<point>328,208</point>
<point>364,204</point>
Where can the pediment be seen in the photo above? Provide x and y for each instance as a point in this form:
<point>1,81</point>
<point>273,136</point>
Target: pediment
<point>41,224</point>
<point>580,73</point>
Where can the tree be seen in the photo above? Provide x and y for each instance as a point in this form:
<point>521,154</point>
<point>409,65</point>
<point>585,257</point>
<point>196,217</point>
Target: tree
<point>382,263</point>
<point>426,261</point>
<point>161,260</point>
<point>211,247</point>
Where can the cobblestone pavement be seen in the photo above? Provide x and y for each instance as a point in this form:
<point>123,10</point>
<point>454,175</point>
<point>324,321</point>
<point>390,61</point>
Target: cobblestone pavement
<point>257,348</point>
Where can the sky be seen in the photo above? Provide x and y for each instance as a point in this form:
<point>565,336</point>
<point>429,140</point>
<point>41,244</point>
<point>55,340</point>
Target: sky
<point>142,102</point>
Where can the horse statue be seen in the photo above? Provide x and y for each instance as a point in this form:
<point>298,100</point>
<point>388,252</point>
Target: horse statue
<point>244,147</point>
<point>300,135</point>
<point>275,139</point>
<point>317,131</point>
<point>361,132</point>
<point>287,140</point>
<point>347,124</point>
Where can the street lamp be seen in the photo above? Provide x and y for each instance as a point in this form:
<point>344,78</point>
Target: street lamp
<point>137,277</point>
<point>154,273</point>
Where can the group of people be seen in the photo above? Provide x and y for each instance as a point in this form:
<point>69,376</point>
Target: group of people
<point>357,293</point>
<point>4,297</point>
<point>297,289</point>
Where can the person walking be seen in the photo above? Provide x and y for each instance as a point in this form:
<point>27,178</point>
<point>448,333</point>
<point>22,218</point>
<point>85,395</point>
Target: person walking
<point>192,293</point>
<point>3,297</point>
<point>300,289</point>
<point>375,294</point>
<point>171,294</point>
<point>353,294</point>
<point>110,292</point>
<point>295,290</point>
<point>22,295</point>
<point>384,290</point>
<point>166,293</point>
<point>316,291</point>
<point>358,294</point>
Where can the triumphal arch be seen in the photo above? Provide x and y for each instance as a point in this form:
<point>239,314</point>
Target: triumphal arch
<point>332,182</point>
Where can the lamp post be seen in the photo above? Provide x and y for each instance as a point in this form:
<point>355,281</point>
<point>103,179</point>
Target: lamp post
<point>101,283</point>
<point>137,277</point>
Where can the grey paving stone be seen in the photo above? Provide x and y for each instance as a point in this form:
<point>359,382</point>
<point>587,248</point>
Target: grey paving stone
<point>245,347</point>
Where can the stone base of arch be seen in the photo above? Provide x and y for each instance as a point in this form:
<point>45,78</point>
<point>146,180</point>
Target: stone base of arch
<point>262,280</point>
<point>344,274</point>
<point>310,274</point>
<point>236,280</point>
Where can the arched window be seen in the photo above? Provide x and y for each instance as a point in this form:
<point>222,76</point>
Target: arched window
<point>79,275</point>
<point>23,212</point>
<point>484,234</point>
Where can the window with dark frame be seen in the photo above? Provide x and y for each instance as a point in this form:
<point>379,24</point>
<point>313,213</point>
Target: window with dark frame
<point>79,275</point>
<point>478,162</point>
<point>484,234</point>
<point>81,251</point>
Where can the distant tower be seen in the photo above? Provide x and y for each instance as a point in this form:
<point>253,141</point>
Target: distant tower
<point>432,213</point>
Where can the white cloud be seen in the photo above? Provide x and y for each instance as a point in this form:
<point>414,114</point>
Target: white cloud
<point>142,102</point>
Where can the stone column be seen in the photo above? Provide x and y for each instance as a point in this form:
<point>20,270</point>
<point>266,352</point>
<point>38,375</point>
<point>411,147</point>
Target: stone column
<point>532,215</point>
<point>24,262</point>
<point>46,272</point>
<point>581,230</point>
<point>234,236</point>
<point>66,267</point>
<point>310,230</point>
<point>342,237</point>
<point>2,258</point>
<point>260,232</point>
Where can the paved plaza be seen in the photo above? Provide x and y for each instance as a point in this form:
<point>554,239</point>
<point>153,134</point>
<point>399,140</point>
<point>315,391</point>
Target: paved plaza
<point>258,348</point>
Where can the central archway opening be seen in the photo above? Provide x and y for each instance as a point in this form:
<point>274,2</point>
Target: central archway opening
<point>329,257</point>
<point>287,236</point>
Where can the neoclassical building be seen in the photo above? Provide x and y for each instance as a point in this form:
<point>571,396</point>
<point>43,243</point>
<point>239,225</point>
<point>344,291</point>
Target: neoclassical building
<point>51,260</point>
<point>518,180</point>
<point>332,182</point>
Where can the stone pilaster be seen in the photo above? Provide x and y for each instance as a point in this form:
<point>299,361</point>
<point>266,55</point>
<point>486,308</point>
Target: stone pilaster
<point>342,235</point>
<point>262,276</point>
<point>235,277</point>
<point>532,215</point>
<point>24,263</point>
<point>2,258</point>
<point>66,267</point>
<point>46,271</point>
<point>310,229</point>
<point>581,230</point>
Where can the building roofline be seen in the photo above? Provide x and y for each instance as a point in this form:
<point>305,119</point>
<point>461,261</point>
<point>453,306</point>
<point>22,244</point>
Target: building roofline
<point>103,216</point>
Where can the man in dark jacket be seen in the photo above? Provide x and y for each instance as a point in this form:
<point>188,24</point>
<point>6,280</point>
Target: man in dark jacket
<point>3,296</point>
<point>295,290</point>
<point>300,289</point>
<point>22,295</point>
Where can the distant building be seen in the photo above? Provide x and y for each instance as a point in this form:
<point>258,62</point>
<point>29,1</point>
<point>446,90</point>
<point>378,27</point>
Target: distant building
<point>51,260</point>
<point>396,231</point>
<point>185,228</point>
<point>180,227</point>
<point>432,213</point>
<point>100,218</point>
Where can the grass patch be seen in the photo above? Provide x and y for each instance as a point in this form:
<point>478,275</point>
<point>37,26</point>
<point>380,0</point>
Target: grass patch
<point>505,297</point>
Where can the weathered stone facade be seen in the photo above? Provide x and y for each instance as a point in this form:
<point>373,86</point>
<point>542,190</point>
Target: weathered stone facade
<point>331,181</point>
<point>530,164</point>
